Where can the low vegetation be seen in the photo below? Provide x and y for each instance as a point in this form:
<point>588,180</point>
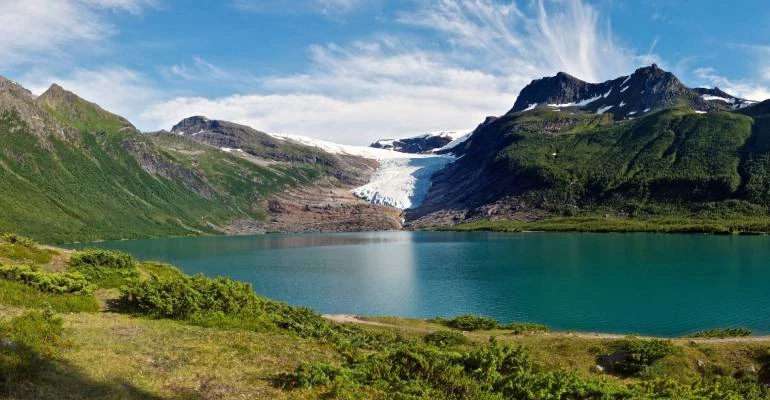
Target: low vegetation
<point>107,269</point>
<point>722,333</point>
<point>603,224</point>
<point>470,322</point>
<point>56,283</point>
<point>169,335</point>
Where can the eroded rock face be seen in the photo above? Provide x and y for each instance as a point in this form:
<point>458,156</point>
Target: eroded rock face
<point>155,164</point>
<point>17,99</point>
<point>326,207</point>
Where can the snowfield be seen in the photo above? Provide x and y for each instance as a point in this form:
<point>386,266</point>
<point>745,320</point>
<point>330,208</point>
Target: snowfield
<point>401,181</point>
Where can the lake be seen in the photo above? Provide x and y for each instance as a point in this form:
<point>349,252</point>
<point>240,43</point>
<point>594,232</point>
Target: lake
<point>653,284</point>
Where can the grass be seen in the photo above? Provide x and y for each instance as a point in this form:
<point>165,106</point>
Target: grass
<point>24,252</point>
<point>116,356</point>
<point>20,295</point>
<point>760,225</point>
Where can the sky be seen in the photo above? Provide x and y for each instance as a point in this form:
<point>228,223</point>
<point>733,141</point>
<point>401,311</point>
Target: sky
<point>353,71</point>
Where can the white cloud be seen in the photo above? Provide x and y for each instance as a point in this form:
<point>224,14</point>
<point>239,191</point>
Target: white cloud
<point>116,89</point>
<point>386,86</point>
<point>42,30</point>
<point>327,7</point>
<point>556,36</point>
<point>748,89</point>
<point>389,87</point>
<point>131,6</point>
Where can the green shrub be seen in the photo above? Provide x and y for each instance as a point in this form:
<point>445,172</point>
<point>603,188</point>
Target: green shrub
<point>224,303</point>
<point>469,322</point>
<point>722,333</point>
<point>308,376</point>
<point>472,323</point>
<point>445,338</point>
<point>12,238</point>
<point>56,283</point>
<point>107,269</point>
<point>19,294</point>
<point>184,297</point>
<point>641,353</point>
<point>102,258</point>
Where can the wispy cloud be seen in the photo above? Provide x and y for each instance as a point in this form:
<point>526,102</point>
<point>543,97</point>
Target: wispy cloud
<point>201,70</point>
<point>43,30</point>
<point>545,38</point>
<point>326,7</point>
<point>390,85</point>
<point>745,88</point>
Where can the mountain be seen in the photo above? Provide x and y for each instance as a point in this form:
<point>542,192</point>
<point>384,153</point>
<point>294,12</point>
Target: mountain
<point>721,97</point>
<point>70,170</point>
<point>427,143</point>
<point>648,89</point>
<point>578,158</point>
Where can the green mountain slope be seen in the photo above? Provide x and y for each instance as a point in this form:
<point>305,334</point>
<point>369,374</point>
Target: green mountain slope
<point>548,162</point>
<point>87,174</point>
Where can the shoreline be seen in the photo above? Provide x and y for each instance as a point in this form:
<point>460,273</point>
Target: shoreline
<point>430,327</point>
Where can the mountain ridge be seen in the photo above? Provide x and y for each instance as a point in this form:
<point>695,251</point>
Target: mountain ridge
<point>646,89</point>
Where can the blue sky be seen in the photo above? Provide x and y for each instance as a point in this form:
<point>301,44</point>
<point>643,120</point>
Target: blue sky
<point>354,71</point>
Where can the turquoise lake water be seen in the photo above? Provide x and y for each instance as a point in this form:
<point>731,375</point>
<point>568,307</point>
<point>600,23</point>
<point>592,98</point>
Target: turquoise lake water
<point>653,284</point>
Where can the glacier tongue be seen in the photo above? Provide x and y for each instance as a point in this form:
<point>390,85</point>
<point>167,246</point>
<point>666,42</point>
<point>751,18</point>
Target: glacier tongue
<point>401,182</point>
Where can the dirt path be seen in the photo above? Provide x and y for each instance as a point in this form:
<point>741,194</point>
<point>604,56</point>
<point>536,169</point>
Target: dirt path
<point>352,319</point>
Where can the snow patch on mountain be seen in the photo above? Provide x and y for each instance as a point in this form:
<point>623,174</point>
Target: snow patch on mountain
<point>454,143</point>
<point>344,149</point>
<point>712,97</point>
<point>604,109</point>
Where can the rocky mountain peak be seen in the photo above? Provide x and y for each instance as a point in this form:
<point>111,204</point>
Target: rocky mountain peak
<point>11,87</point>
<point>648,88</point>
<point>194,124</point>
<point>55,94</point>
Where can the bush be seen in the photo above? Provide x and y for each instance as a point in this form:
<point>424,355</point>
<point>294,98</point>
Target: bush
<point>13,238</point>
<point>524,327</point>
<point>19,294</point>
<point>472,323</point>
<point>107,269</point>
<point>308,376</point>
<point>57,283</point>
<point>183,297</point>
<point>224,303</point>
<point>102,258</point>
<point>640,353</point>
<point>445,338</point>
<point>722,333</point>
